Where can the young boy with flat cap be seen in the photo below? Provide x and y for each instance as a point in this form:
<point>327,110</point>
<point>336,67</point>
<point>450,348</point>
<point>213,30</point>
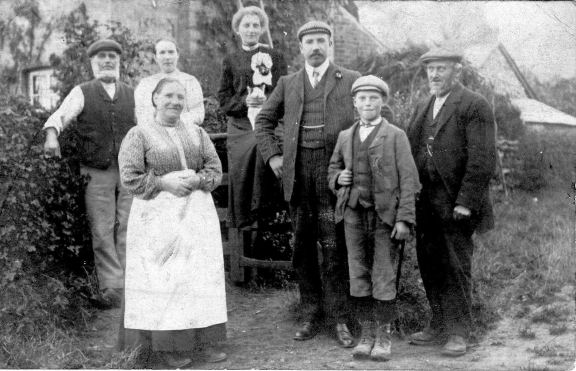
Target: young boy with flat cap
<point>373,174</point>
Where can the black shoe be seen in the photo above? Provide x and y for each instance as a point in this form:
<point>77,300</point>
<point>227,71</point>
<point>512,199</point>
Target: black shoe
<point>307,331</point>
<point>112,298</point>
<point>345,338</point>
<point>428,336</point>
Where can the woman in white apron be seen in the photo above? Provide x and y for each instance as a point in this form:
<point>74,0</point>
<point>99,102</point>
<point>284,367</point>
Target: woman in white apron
<point>175,300</point>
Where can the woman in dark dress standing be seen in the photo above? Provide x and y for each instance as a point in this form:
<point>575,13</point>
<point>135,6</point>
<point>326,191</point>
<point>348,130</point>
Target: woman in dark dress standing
<point>248,77</point>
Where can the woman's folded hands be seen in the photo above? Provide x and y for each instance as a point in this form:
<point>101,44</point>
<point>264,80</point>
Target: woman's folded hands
<point>180,183</point>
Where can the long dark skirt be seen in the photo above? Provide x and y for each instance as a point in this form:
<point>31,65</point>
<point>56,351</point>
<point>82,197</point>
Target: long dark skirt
<point>168,341</point>
<point>252,184</point>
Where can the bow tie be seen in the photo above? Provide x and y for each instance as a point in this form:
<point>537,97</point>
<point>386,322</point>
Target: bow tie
<point>368,124</point>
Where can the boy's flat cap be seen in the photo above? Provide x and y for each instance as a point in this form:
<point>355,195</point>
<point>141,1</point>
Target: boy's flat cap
<point>371,83</point>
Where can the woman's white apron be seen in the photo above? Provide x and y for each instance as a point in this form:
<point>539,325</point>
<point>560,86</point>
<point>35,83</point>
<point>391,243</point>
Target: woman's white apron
<point>174,264</point>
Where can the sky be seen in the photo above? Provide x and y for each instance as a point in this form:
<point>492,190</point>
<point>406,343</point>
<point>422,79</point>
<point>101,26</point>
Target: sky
<point>540,36</point>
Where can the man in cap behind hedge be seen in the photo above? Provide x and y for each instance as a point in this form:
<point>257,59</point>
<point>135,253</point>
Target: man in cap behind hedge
<point>373,174</point>
<point>453,143</point>
<point>315,106</point>
<point>103,110</point>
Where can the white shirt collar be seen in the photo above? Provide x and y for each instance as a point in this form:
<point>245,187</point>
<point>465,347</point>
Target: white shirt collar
<point>250,48</point>
<point>174,73</point>
<point>376,121</point>
<point>321,69</point>
<point>441,100</point>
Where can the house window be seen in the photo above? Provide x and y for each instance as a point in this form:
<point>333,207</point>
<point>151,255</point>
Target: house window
<point>40,85</point>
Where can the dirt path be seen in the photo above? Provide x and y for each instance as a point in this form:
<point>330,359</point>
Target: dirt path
<point>261,325</point>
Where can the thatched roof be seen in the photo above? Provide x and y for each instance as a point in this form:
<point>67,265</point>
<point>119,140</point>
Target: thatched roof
<point>536,112</point>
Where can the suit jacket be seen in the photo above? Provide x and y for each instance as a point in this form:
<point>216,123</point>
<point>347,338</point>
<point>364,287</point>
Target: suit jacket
<point>463,151</point>
<point>393,172</point>
<point>287,101</point>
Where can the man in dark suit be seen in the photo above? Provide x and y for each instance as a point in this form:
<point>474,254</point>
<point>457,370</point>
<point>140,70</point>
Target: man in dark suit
<point>315,106</point>
<point>453,143</point>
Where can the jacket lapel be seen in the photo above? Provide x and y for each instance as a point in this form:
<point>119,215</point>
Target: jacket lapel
<point>381,134</point>
<point>330,81</point>
<point>299,84</point>
<point>349,147</point>
<point>450,106</point>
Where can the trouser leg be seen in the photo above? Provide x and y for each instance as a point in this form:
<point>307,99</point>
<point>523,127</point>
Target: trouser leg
<point>429,262</point>
<point>123,205</point>
<point>100,199</point>
<point>457,289</point>
<point>305,261</point>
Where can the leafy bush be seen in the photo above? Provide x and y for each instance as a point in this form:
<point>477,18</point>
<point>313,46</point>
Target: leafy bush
<point>44,239</point>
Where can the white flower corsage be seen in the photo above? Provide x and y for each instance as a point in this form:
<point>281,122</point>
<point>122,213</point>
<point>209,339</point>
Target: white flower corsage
<point>262,67</point>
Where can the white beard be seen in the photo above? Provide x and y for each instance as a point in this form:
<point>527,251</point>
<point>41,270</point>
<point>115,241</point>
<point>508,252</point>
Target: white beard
<point>108,76</point>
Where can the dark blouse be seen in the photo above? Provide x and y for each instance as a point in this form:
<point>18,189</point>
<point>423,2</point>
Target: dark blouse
<point>237,76</point>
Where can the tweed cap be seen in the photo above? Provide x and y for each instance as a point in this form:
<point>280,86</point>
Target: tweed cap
<point>371,83</point>
<point>314,27</point>
<point>437,54</point>
<point>104,44</point>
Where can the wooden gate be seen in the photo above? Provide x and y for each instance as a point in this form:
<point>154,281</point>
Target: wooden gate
<point>235,243</point>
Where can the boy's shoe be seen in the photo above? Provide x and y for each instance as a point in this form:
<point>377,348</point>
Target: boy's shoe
<point>455,346</point>
<point>209,354</point>
<point>366,342</point>
<point>428,336</point>
<point>382,349</point>
<point>345,338</point>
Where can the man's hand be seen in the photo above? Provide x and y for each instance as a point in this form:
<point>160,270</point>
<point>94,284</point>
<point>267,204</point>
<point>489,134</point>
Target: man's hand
<point>461,213</point>
<point>345,177</point>
<point>401,231</point>
<point>51,145</point>
<point>255,101</point>
<point>275,163</point>
<point>180,183</point>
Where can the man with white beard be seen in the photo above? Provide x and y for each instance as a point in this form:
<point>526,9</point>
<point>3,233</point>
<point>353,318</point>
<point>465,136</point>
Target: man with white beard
<point>103,110</point>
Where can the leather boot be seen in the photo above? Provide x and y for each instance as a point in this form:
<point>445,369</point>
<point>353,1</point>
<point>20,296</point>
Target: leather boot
<point>382,349</point>
<point>366,342</point>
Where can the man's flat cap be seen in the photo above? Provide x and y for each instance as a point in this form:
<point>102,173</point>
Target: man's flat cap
<point>105,44</point>
<point>371,83</point>
<point>314,27</point>
<point>441,54</point>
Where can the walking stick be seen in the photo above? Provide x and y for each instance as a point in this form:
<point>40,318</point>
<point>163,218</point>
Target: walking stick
<point>398,275</point>
<point>400,260</point>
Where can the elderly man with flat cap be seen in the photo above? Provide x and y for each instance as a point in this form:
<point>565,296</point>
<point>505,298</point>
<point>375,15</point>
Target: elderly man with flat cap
<point>453,144</point>
<point>315,106</point>
<point>103,110</point>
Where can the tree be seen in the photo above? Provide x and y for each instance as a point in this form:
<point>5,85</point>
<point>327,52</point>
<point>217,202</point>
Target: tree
<point>26,33</point>
<point>73,67</point>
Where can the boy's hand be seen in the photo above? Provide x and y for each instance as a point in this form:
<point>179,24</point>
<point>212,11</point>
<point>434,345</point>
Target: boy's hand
<point>400,231</point>
<point>345,177</point>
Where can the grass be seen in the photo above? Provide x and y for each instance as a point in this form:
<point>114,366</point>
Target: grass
<point>558,329</point>
<point>526,333</point>
<point>528,255</point>
<point>551,314</point>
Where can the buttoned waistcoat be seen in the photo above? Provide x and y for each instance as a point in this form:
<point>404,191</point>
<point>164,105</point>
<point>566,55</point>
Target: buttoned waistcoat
<point>286,103</point>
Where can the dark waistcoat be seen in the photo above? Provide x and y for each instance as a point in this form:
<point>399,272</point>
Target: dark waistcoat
<point>424,161</point>
<point>362,182</point>
<point>312,115</point>
<point>103,123</point>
